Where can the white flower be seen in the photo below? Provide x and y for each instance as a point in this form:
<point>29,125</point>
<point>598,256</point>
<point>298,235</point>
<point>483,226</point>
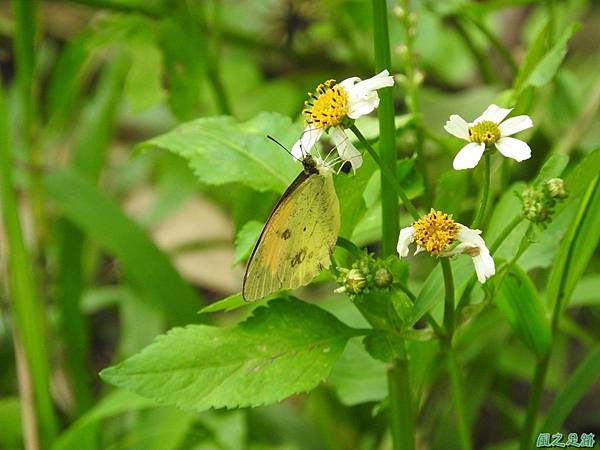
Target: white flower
<point>489,128</point>
<point>333,106</point>
<point>436,231</point>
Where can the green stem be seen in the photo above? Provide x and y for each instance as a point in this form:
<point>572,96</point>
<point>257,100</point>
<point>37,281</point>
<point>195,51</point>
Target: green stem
<point>391,183</point>
<point>483,63</point>
<point>456,379</point>
<point>387,131</point>
<point>449,298</point>
<point>485,193</point>
<point>27,306</point>
<point>533,403</point>
<point>401,414</point>
<point>412,95</point>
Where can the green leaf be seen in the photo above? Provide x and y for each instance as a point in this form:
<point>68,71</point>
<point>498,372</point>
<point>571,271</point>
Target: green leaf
<point>586,291</point>
<point>383,345</point>
<point>221,150</point>
<point>357,377</point>
<point>547,67</point>
<point>519,302</point>
<point>553,167</point>
<point>285,348</point>
<point>102,219</point>
<point>576,248</point>
<point>245,240</point>
<point>582,379</point>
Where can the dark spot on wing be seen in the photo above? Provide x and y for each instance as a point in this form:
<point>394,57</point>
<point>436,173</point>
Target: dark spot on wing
<point>298,258</point>
<point>286,234</point>
<point>304,229</point>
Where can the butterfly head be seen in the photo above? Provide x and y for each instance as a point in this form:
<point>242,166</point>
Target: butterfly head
<point>315,164</point>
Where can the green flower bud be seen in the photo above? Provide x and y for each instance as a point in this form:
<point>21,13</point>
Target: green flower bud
<point>383,278</point>
<point>556,188</point>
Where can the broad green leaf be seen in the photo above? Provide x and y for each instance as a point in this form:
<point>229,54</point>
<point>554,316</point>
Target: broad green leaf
<point>583,378</point>
<point>519,302</point>
<point>102,219</point>
<point>284,348</point>
<point>245,240</point>
<point>221,150</point>
<point>114,404</point>
<point>547,67</point>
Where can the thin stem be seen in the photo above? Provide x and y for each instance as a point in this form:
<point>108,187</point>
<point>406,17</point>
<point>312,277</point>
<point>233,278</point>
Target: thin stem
<point>456,379</point>
<point>485,67</point>
<point>388,176</point>
<point>412,82</point>
<point>533,402</point>
<point>485,193</point>
<point>26,304</point>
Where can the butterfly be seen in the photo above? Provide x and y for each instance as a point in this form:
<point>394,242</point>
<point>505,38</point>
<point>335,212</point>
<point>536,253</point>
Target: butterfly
<point>299,236</point>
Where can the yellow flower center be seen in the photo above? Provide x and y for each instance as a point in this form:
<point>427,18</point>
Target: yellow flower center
<point>486,132</point>
<point>328,108</point>
<point>435,231</point>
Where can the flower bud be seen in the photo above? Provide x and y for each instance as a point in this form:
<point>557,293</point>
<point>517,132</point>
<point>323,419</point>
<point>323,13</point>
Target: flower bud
<point>383,278</point>
<point>399,12</point>
<point>556,188</point>
<point>355,281</point>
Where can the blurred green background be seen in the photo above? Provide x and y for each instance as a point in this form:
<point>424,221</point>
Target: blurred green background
<point>125,241</point>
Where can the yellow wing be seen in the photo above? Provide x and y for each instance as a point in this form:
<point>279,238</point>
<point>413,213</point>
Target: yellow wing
<point>298,238</point>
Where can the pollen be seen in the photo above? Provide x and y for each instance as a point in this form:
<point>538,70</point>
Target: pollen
<point>328,107</point>
<point>485,132</point>
<point>435,231</point>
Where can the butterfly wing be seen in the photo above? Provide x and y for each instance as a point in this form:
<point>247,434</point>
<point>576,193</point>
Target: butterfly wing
<point>298,238</point>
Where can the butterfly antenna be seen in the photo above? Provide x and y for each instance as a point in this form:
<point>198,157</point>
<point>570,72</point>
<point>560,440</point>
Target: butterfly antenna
<point>282,146</point>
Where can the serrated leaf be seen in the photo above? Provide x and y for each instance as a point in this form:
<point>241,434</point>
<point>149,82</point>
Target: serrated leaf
<point>285,348</point>
<point>519,302</point>
<point>221,150</point>
<point>245,240</point>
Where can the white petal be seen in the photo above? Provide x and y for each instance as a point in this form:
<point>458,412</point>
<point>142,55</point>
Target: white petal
<point>307,141</point>
<point>457,126</point>
<point>362,95</point>
<point>404,240</point>
<point>493,113</point>
<point>345,148</point>
<point>484,266</point>
<point>418,250</point>
<point>515,124</point>
<point>482,260</point>
<point>514,148</point>
<point>468,156</point>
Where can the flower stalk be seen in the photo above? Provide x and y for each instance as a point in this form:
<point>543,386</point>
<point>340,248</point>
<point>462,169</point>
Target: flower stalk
<point>487,175</point>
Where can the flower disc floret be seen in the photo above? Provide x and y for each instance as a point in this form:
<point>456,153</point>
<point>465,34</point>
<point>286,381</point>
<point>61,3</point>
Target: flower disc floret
<point>485,132</point>
<point>328,108</point>
<point>435,232</point>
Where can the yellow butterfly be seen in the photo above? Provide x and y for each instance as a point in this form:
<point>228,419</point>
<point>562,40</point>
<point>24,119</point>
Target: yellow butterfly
<point>299,237</point>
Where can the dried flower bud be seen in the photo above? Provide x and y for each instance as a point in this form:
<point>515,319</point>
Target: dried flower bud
<point>355,281</point>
